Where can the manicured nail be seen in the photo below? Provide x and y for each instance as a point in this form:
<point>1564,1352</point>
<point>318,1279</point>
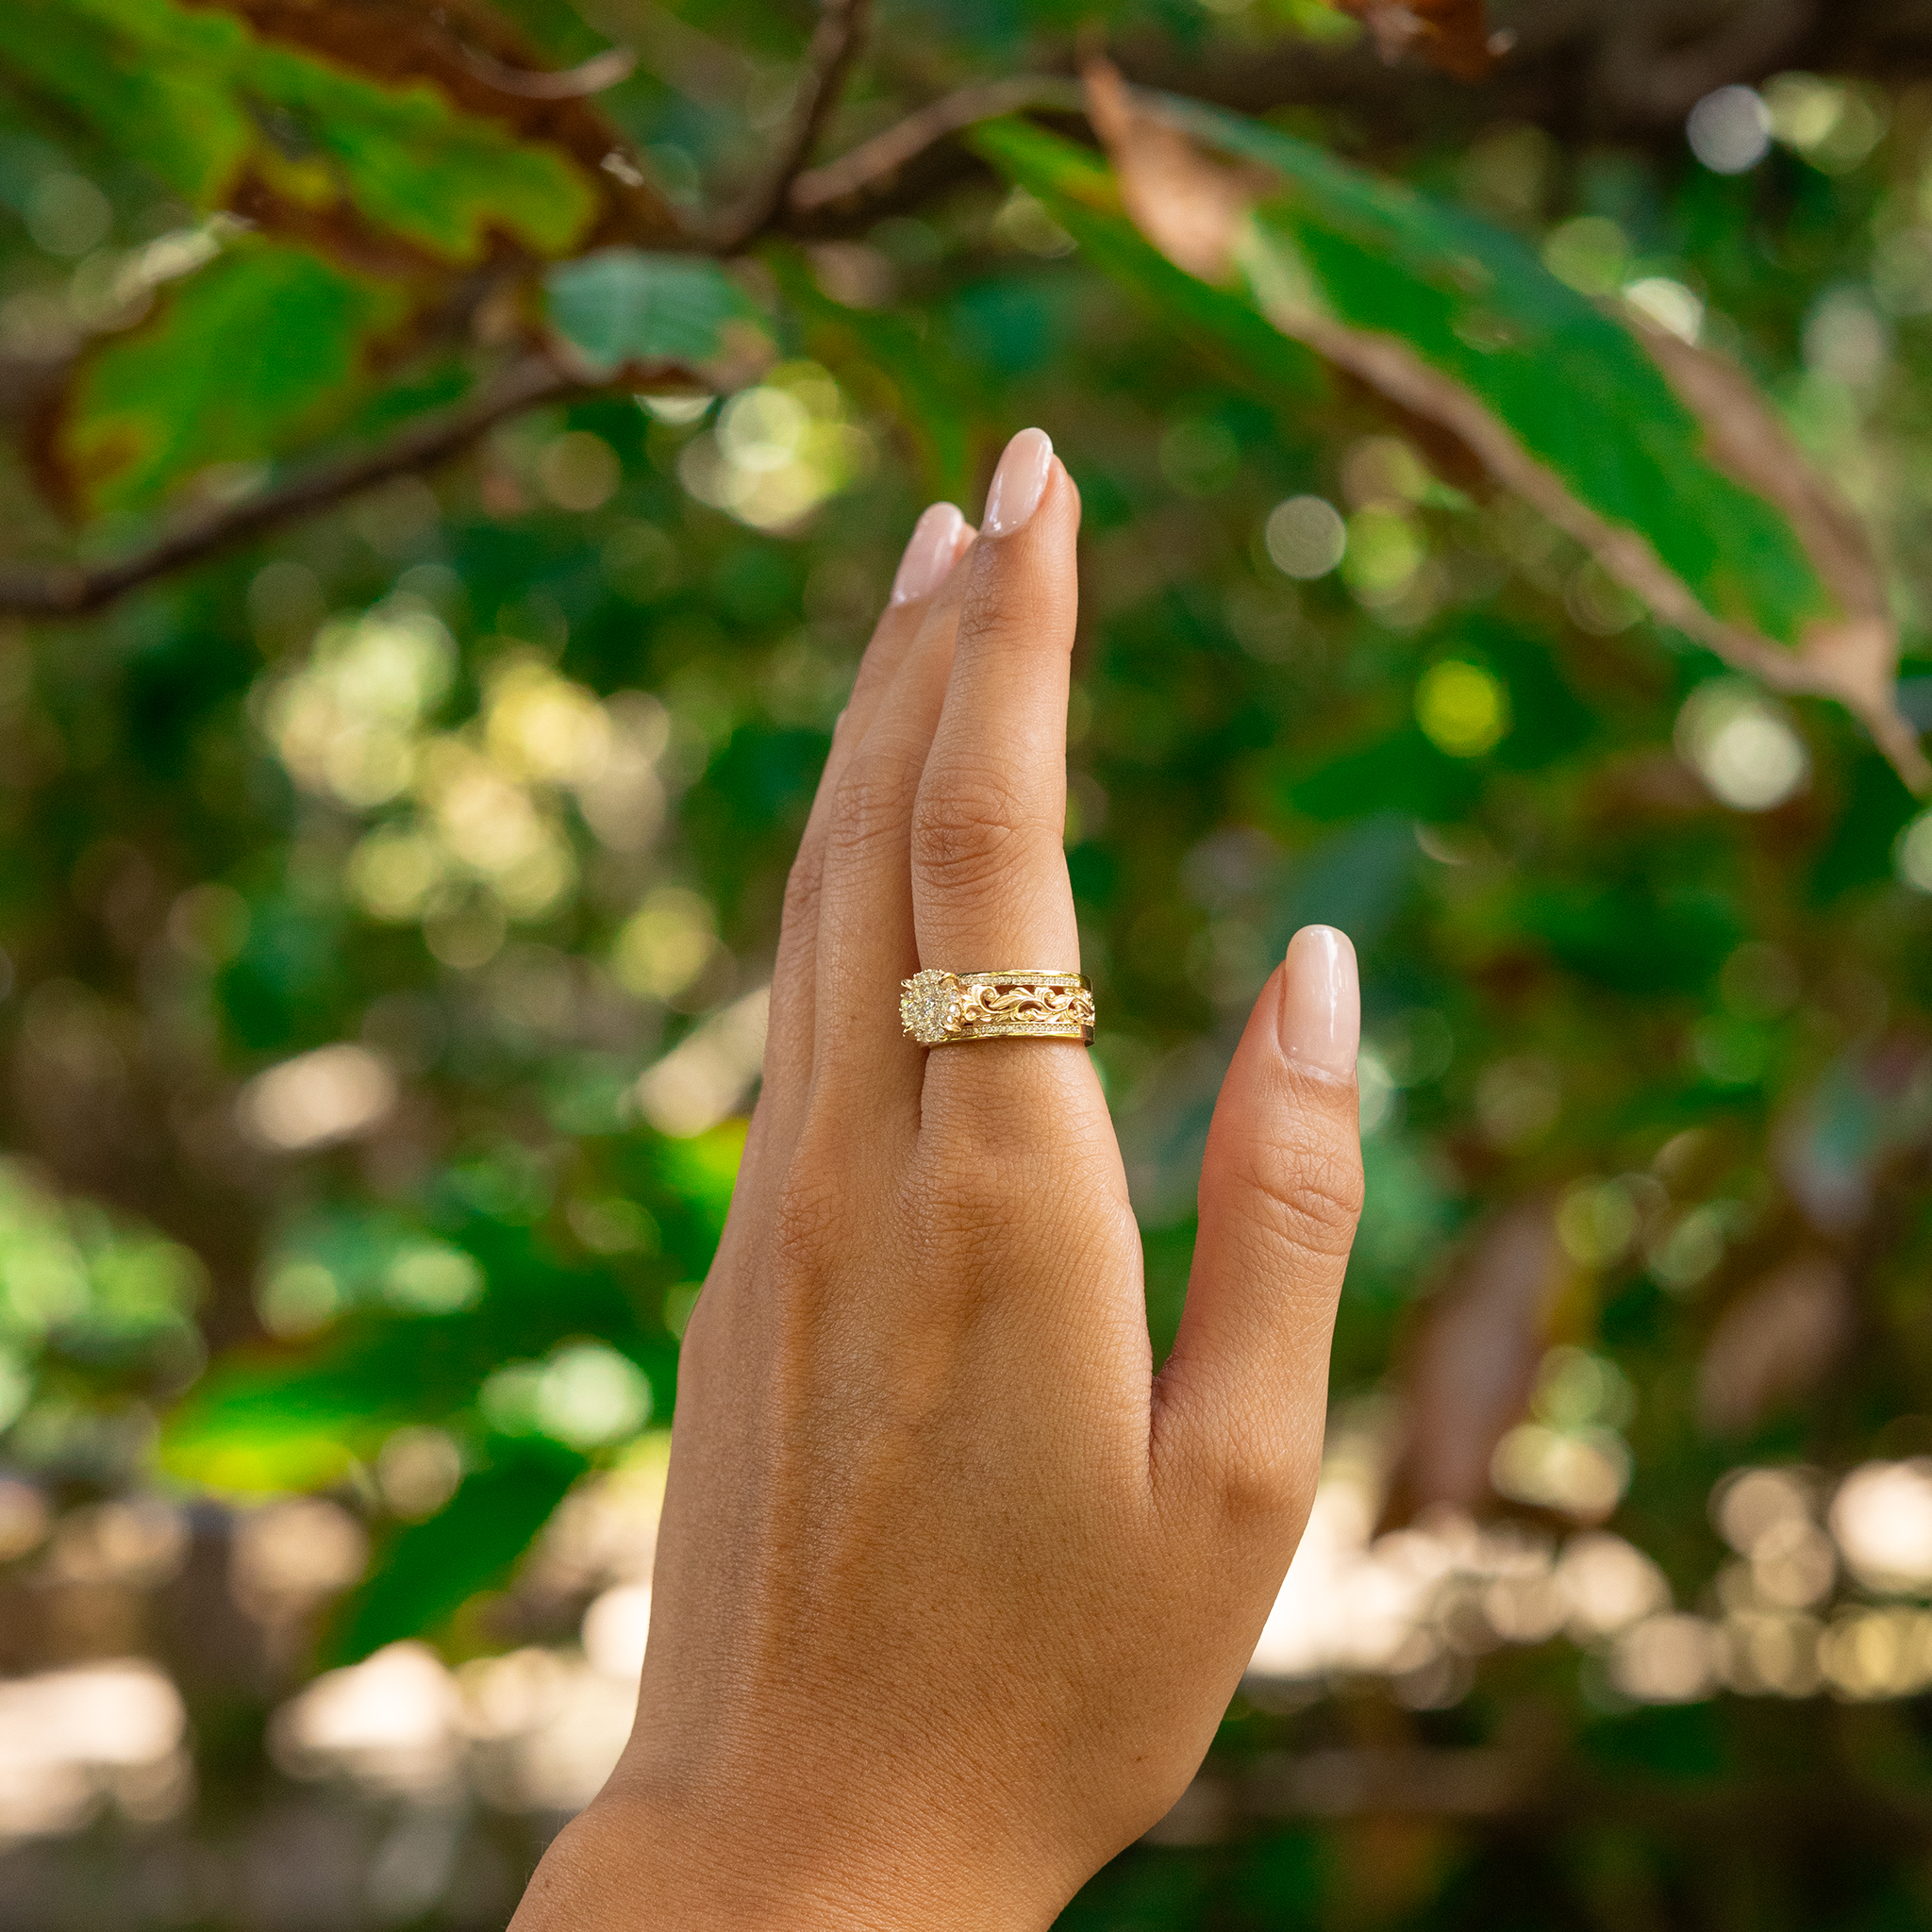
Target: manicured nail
<point>1019,483</point>
<point>1322,1001</point>
<point>929,552</point>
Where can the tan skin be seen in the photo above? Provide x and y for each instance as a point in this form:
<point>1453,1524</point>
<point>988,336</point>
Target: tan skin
<point>953,1589</point>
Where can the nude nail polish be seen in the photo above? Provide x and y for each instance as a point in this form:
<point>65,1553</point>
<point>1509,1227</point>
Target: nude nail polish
<point>1019,483</point>
<point>930,552</point>
<point>1320,1001</point>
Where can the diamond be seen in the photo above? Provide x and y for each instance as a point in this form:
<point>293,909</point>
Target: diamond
<point>929,1006</point>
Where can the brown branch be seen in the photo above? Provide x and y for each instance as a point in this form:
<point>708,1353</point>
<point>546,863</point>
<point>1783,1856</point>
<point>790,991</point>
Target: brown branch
<point>538,84</point>
<point>73,589</point>
<point>1540,83</point>
<point>835,45</point>
<point>887,152</point>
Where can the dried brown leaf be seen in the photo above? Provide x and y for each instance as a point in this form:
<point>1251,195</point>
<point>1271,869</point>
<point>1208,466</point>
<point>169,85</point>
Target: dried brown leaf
<point>1746,438</point>
<point>1452,35</point>
<point>1190,207</point>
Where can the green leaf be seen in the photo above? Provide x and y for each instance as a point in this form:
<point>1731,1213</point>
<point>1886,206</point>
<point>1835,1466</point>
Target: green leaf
<point>227,116</point>
<point>1660,459</point>
<point>261,350</point>
<point>1403,773</point>
<point>1080,194</point>
<point>1474,304</point>
<point>624,304</point>
<point>1634,941</point>
<point>432,1568</point>
<point>1574,383</point>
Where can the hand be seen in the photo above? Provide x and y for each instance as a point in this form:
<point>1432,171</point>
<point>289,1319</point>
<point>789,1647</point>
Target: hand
<point>952,1590</point>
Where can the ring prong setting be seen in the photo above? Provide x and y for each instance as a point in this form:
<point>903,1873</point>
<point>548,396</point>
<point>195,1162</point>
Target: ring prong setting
<point>929,1006</point>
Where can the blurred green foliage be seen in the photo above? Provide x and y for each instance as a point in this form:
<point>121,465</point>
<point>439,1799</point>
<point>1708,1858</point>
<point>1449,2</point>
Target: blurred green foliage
<point>386,904</point>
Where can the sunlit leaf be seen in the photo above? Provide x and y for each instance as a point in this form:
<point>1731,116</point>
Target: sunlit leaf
<point>261,350</point>
<point>230,115</point>
<point>262,1427</point>
<point>282,1420</point>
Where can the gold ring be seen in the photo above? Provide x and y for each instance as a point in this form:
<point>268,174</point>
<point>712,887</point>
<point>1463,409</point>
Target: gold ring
<point>943,1009</point>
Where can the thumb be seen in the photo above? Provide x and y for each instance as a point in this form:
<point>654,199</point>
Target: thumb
<point>1243,1400</point>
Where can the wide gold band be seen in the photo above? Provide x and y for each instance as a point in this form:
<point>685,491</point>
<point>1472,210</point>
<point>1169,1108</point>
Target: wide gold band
<point>944,1009</point>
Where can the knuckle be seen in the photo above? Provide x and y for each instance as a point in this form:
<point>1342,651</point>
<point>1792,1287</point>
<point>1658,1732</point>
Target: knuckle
<point>808,1213</point>
<point>1244,1468</point>
<point>970,828</point>
<point>969,1195</point>
<point>1011,1199</point>
<point>872,800</point>
<point>1262,1486</point>
<point>982,1137</point>
<point>1239,1467</point>
<point>977,1189</point>
<point>993,625</point>
<point>1304,1193</point>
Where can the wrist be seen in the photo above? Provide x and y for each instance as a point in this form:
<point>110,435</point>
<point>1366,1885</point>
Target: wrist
<point>632,1863</point>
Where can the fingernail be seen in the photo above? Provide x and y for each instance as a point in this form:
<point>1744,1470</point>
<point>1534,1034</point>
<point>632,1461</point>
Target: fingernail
<point>1019,483</point>
<point>930,552</point>
<point>1322,1001</point>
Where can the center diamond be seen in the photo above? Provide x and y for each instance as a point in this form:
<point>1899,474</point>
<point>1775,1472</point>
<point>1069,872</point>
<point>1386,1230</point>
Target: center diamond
<point>929,1006</point>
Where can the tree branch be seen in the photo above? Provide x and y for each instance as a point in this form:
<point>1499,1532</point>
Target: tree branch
<point>885,153</point>
<point>1553,77</point>
<point>538,84</point>
<point>73,589</point>
<point>835,45</point>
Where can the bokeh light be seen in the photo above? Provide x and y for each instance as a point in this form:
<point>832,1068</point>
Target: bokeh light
<point>1729,130</point>
<point>1306,536</point>
<point>1462,708</point>
<point>1742,746</point>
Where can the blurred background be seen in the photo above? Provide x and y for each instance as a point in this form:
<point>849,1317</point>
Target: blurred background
<point>453,460</point>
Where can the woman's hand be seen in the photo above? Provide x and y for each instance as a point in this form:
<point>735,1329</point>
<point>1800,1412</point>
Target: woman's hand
<point>952,1590</point>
